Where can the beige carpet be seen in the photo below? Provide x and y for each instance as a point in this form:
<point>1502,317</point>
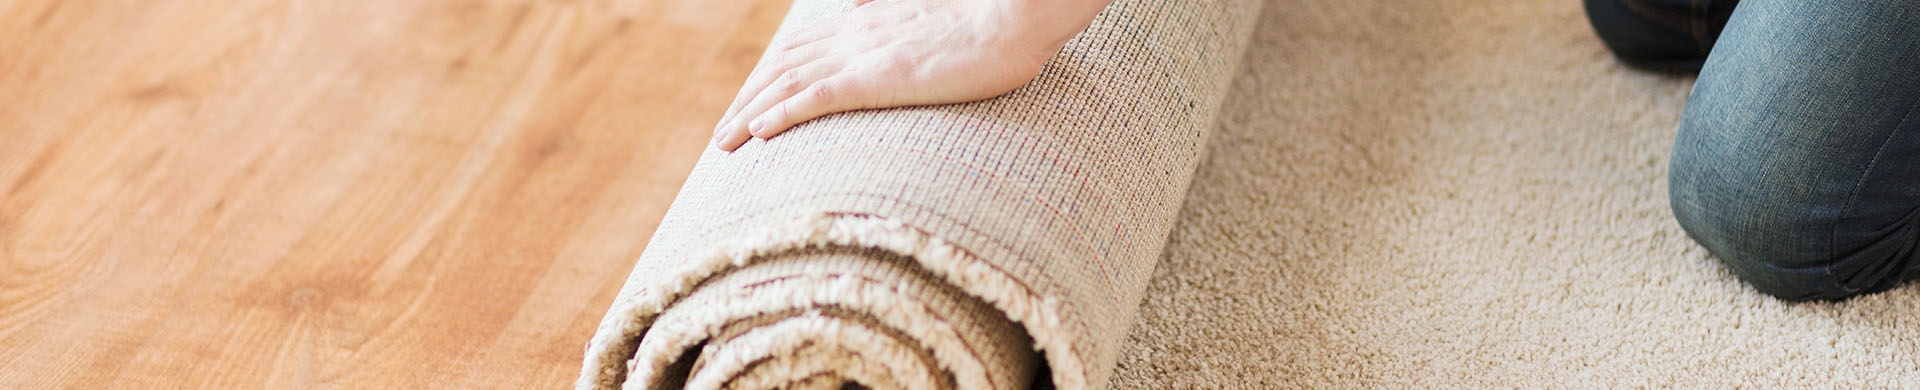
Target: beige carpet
<point>1413,194</point>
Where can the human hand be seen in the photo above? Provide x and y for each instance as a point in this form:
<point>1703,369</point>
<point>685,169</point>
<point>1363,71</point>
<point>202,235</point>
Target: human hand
<point>901,53</point>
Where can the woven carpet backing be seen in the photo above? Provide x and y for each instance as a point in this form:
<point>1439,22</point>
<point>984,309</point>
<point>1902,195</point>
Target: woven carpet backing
<point>1000,244</point>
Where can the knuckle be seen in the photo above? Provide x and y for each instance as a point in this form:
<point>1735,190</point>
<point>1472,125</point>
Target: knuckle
<point>789,80</point>
<point>787,59</point>
<point>823,92</point>
<point>787,44</point>
<point>779,57</point>
<point>783,114</point>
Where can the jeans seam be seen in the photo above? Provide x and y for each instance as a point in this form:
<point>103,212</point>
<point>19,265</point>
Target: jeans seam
<point>1833,241</point>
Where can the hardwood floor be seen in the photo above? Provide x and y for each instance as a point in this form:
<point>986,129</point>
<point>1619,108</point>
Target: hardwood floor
<point>213,194</point>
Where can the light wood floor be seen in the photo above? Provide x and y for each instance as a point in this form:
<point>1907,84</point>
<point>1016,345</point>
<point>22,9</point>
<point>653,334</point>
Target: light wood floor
<point>215,194</point>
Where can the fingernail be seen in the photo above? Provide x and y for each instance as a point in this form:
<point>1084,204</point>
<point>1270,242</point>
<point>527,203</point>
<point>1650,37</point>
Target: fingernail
<point>756,126</point>
<point>732,141</point>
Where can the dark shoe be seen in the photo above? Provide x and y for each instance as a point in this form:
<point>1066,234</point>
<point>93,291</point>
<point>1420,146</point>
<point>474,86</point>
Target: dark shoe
<point>1660,35</point>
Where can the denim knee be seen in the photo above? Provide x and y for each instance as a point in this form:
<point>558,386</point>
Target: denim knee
<point>1774,230</point>
<point>1795,161</point>
<point>1757,237</point>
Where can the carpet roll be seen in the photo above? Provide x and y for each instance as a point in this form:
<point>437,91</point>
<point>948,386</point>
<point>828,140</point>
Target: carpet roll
<point>1000,244</point>
<point>829,317</point>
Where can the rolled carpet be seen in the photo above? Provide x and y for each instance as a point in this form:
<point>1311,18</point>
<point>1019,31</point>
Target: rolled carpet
<point>1001,244</point>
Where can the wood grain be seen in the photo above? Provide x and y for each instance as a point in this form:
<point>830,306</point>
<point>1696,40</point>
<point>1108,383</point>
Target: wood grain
<point>203,194</point>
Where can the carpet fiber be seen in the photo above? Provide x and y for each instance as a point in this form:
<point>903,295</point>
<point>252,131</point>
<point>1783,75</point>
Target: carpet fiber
<point>1466,194</point>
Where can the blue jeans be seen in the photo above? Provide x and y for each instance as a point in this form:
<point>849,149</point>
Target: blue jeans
<point>1797,161</point>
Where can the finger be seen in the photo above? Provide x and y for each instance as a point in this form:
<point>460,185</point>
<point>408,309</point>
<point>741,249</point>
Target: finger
<point>778,63</point>
<point>857,3</point>
<point>765,74</point>
<point>730,139</point>
<point>782,87</point>
<point>807,35</point>
<point>839,93</point>
<point>785,85</point>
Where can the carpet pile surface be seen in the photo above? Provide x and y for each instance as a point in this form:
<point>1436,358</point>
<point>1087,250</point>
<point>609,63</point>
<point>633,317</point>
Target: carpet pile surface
<point>1467,194</point>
